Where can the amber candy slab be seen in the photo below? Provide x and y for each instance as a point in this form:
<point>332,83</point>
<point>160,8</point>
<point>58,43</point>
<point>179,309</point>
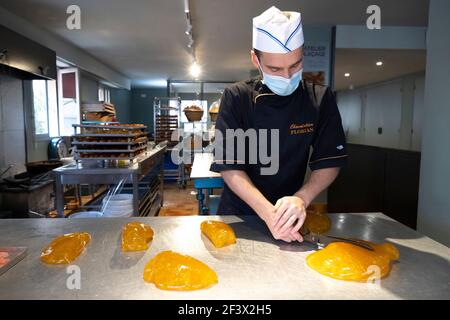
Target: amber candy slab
<point>169,270</point>
<point>317,222</point>
<point>136,236</point>
<point>65,249</point>
<point>219,233</point>
<point>346,261</point>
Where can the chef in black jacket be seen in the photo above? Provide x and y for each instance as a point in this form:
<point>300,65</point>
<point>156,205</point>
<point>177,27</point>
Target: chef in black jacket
<point>304,115</point>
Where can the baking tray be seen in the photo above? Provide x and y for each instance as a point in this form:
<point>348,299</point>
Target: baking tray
<point>16,254</point>
<point>110,151</point>
<point>77,142</point>
<point>106,135</point>
<point>77,158</point>
<point>108,126</point>
<point>131,158</point>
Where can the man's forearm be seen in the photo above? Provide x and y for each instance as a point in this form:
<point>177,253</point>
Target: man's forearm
<point>317,182</point>
<point>239,182</point>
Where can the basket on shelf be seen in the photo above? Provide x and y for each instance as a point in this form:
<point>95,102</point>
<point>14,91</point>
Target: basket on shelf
<point>213,115</point>
<point>193,113</point>
<point>214,110</point>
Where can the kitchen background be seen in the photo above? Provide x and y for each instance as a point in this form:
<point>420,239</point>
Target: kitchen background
<point>382,106</point>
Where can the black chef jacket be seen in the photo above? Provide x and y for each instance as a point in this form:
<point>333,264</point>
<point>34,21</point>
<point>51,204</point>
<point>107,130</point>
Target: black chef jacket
<point>301,125</point>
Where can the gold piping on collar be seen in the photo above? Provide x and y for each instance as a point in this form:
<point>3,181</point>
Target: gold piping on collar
<point>263,94</point>
<point>273,94</point>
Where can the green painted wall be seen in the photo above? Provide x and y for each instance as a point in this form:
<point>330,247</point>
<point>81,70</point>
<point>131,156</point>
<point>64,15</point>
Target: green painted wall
<point>121,99</point>
<point>141,110</point>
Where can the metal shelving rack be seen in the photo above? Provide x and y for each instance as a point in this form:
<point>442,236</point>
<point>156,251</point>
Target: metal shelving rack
<point>166,120</point>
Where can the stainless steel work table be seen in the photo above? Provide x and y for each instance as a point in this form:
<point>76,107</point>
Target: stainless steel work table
<point>205,180</point>
<point>257,267</point>
<point>79,174</point>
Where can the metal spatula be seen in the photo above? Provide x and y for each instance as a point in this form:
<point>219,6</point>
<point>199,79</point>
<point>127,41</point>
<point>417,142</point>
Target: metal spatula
<point>315,240</point>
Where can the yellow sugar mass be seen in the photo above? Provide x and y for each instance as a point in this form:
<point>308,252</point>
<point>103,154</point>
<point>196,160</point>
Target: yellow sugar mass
<point>219,233</point>
<point>136,236</point>
<point>346,261</point>
<point>65,249</point>
<point>173,271</point>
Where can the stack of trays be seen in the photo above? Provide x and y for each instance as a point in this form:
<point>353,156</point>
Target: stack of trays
<point>165,125</point>
<point>109,142</point>
<point>98,107</point>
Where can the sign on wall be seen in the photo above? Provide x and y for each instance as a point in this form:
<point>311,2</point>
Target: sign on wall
<point>317,61</point>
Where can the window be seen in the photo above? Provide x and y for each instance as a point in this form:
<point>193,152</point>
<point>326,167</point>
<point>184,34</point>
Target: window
<point>69,101</point>
<point>104,94</point>
<point>53,123</point>
<point>45,108</point>
<point>40,107</point>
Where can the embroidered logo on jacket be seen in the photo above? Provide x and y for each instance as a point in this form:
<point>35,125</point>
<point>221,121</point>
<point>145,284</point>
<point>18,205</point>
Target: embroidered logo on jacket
<point>296,129</point>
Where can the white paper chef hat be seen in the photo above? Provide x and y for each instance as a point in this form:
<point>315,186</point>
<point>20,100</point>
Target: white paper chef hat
<point>277,31</point>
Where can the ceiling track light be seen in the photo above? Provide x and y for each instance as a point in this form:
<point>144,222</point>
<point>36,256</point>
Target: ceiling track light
<point>195,69</point>
<point>189,29</point>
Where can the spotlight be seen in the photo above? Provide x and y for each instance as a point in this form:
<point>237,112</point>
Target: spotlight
<point>195,70</point>
<point>189,30</point>
<point>347,75</point>
<point>379,63</point>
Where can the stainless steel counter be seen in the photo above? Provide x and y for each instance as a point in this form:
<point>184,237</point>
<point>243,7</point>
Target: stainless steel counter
<point>94,174</point>
<point>257,267</point>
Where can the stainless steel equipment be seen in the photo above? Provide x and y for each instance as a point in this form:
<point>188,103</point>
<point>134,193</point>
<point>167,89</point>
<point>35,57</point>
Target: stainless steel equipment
<point>24,194</point>
<point>108,142</point>
<point>147,194</point>
<point>256,267</point>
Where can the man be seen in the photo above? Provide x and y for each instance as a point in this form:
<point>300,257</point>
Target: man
<point>305,116</point>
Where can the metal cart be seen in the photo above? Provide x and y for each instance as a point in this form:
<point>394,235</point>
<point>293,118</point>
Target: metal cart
<point>144,179</point>
<point>167,120</point>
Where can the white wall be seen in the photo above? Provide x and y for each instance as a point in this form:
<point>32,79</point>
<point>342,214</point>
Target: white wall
<point>434,193</point>
<point>350,107</point>
<point>394,106</point>
<point>12,133</point>
<point>418,113</point>
<point>388,37</point>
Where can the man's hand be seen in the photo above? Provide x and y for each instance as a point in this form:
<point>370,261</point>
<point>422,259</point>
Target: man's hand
<point>268,217</point>
<point>289,216</point>
<point>240,183</point>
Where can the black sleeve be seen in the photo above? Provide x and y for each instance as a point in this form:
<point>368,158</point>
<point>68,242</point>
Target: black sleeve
<point>329,146</point>
<point>230,117</point>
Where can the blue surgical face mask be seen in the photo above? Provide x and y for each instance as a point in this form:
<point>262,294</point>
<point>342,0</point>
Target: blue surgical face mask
<point>280,85</point>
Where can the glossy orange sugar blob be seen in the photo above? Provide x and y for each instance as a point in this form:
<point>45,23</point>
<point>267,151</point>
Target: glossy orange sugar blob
<point>346,261</point>
<point>317,222</point>
<point>173,271</point>
<point>219,233</point>
<point>65,249</point>
<point>136,236</point>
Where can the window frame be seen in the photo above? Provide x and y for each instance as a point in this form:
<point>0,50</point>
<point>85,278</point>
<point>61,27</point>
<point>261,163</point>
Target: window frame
<point>40,136</point>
